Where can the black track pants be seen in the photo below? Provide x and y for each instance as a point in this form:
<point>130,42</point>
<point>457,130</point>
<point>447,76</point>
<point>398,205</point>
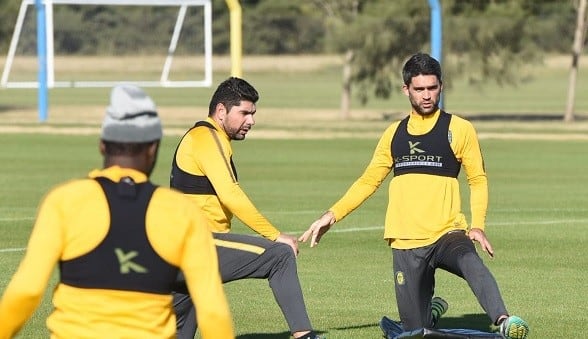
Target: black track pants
<point>250,257</point>
<point>414,278</point>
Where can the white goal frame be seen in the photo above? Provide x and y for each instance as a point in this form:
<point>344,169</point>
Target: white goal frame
<point>164,79</point>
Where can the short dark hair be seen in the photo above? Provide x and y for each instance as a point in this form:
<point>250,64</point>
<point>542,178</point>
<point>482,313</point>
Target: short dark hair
<point>231,92</point>
<point>421,64</point>
<point>125,148</point>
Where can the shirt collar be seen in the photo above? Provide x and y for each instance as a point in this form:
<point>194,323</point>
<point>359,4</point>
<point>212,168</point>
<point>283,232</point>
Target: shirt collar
<point>116,173</point>
<point>414,115</point>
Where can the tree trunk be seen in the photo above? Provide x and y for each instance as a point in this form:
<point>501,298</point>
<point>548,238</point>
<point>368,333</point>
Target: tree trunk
<point>346,90</point>
<point>579,37</point>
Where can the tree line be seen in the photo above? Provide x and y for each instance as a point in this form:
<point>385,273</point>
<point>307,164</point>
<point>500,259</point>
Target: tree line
<point>308,26</point>
<point>485,40</point>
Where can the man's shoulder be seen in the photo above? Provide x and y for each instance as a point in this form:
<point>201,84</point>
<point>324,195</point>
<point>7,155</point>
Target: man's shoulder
<point>73,186</point>
<point>457,119</point>
<point>393,126</point>
<point>172,195</point>
<point>72,190</point>
<point>202,130</point>
<point>198,135</point>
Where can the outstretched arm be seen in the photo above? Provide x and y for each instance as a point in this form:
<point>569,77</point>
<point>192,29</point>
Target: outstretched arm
<point>375,173</point>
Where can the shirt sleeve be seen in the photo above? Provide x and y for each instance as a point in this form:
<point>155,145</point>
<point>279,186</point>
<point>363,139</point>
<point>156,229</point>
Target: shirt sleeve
<point>200,266</point>
<point>215,164</point>
<point>473,164</point>
<point>27,287</point>
<point>377,170</point>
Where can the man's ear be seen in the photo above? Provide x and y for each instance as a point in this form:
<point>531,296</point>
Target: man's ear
<point>102,147</point>
<point>405,89</point>
<point>152,150</point>
<point>221,111</point>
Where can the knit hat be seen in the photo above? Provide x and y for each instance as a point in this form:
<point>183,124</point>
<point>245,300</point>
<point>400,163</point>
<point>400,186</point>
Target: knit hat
<point>131,117</point>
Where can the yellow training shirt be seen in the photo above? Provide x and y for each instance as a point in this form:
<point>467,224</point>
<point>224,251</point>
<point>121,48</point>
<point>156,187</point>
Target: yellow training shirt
<point>207,152</point>
<point>422,207</point>
<point>72,220</point>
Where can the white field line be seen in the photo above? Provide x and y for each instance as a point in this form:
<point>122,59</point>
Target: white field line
<point>16,218</point>
<point>513,223</point>
<point>284,134</point>
<point>6,250</point>
<point>494,210</point>
<point>381,227</point>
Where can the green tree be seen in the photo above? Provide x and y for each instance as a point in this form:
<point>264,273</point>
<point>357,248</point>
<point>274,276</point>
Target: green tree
<point>387,35</point>
<point>341,16</point>
<point>8,16</point>
<point>374,37</point>
<point>281,27</point>
<point>579,41</point>
<point>484,40</point>
<point>490,41</point>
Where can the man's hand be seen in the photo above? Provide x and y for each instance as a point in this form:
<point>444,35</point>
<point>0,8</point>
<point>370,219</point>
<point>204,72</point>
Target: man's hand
<point>478,235</point>
<point>318,228</point>
<point>289,240</point>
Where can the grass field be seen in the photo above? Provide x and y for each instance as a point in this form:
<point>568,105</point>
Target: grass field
<point>301,157</point>
<point>537,222</point>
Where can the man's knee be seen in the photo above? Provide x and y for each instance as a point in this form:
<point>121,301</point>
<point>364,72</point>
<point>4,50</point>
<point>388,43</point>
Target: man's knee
<point>282,251</point>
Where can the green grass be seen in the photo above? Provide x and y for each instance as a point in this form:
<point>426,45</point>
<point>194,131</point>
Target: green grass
<point>537,218</point>
<point>543,91</point>
<point>536,222</point>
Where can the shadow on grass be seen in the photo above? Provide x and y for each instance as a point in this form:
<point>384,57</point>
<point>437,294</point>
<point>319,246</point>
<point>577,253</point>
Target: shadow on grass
<point>286,335</point>
<point>352,327</point>
<point>281,335</point>
<point>479,322</point>
<point>7,108</point>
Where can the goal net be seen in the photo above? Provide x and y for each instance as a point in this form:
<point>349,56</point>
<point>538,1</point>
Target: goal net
<point>98,43</point>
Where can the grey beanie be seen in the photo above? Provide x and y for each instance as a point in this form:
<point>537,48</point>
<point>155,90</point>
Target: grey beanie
<point>131,117</point>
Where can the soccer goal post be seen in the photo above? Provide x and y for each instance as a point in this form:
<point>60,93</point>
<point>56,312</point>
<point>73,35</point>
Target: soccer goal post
<point>45,35</point>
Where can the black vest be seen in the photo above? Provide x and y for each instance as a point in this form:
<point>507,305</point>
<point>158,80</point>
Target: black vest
<point>124,260</point>
<point>191,183</point>
<point>429,153</point>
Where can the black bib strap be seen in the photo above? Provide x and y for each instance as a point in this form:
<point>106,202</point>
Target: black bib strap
<point>125,259</point>
<point>429,153</point>
<point>190,183</point>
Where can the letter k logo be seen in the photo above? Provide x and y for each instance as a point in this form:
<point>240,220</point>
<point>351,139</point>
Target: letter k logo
<point>126,265</point>
<point>413,147</point>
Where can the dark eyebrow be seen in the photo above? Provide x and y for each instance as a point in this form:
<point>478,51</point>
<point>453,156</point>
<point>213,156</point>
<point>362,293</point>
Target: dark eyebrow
<point>244,111</point>
<point>426,87</point>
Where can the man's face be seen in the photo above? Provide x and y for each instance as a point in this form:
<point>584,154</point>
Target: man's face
<point>239,120</point>
<point>424,92</point>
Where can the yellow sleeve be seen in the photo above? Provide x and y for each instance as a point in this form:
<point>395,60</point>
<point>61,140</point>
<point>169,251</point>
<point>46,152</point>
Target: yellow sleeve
<point>27,286</point>
<point>373,176</point>
<point>468,151</point>
<point>190,247</point>
<point>214,160</point>
<point>200,266</point>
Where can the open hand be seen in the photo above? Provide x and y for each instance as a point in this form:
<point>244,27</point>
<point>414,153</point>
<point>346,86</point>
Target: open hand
<point>318,228</point>
<point>478,235</point>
